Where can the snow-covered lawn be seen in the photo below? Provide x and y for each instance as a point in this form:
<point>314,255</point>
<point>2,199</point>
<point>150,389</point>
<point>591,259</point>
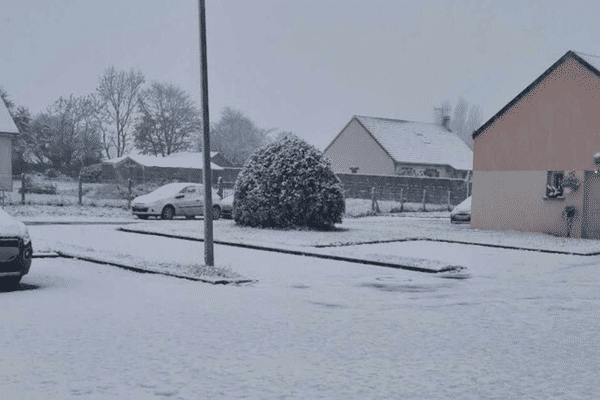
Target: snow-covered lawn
<point>66,212</point>
<point>522,326</point>
<point>104,243</point>
<point>371,230</point>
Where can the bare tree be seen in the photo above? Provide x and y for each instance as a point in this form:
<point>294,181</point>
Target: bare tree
<point>170,123</point>
<point>474,121</point>
<point>236,137</point>
<point>465,121</point>
<point>459,120</point>
<point>118,92</point>
<point>67,135</point>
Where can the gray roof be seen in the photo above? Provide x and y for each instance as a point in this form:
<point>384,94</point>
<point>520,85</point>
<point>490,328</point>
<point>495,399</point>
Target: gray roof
<point>594,61</point>
<point>7,124</point>
<point>419,142</point>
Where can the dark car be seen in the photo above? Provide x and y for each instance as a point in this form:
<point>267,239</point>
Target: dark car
<point>462,212</point>
<point>15,250</point>
<point>227,207</point>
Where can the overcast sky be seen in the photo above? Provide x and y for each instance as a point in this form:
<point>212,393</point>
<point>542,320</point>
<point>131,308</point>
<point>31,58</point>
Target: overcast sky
<point>296,65</point>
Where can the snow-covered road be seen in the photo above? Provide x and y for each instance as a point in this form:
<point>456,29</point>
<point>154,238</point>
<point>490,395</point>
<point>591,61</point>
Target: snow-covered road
<point>524,325</point>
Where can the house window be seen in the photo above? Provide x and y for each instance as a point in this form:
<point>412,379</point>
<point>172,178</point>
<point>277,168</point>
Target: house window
<point>554,184</point>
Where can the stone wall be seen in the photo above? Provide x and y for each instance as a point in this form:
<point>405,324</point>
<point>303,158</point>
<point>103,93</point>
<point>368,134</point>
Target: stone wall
<point>359,186</point>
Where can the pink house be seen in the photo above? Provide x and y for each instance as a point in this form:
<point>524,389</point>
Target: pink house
<point>533,162</point>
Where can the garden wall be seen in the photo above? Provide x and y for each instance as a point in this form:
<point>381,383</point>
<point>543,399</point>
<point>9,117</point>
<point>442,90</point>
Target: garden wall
<point>359,186</point>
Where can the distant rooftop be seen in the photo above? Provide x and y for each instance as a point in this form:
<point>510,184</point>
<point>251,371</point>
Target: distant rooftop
<point>189,160</point>
<point>419,142</point>
<point>7,124</point>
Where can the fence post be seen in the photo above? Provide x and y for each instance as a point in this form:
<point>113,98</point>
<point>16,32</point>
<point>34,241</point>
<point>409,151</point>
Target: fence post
<point>129,189</point>
<point>220,184</point>
<point>467,180</point>
<point>449,201</point>
<point>401,199</point>
<point>80,190</point>
<point>424,198</point>
<point>22,188</point>
<point>374,204</point>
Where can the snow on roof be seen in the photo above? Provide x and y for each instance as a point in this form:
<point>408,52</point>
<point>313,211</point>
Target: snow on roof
<point>419,142</point>
<point>191,161</point>
<point>7,124</point>
<point>591,59</point>
<point>191,154</point>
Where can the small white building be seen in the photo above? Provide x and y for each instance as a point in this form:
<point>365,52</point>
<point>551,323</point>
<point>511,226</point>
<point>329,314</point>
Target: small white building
<point>8,132</point>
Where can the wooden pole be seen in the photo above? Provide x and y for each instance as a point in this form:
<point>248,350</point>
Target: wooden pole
<point>80,191</point>
<point>208,217</point>
<point>424,198</point>
<point>401,199</point>
<point>449,209</point>
<point>468,179</point>
<point>23,188</point>
<point>129,192</point>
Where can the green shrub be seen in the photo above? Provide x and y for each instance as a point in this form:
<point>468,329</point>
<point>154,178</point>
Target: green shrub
<point>288,184</point>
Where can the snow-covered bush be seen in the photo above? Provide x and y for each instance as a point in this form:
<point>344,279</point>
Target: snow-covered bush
<point>288,184</point>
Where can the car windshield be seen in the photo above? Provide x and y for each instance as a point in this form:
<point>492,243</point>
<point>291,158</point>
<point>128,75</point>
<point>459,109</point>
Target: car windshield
<point>167,190</point>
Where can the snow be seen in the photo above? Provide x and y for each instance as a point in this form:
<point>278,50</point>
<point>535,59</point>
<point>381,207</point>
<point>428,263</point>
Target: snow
<point>373,230</point>
<point>191,160</point>
<point>521,326</point>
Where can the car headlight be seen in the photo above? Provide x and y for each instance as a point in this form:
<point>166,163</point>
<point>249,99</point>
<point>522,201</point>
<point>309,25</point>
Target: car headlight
<point>26,237</point>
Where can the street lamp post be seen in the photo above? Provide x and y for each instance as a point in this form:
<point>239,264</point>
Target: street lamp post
<point>208,217</point>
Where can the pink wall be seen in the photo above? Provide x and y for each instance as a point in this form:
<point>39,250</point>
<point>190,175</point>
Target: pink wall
<point>556,126</point>
<point>516,200</point>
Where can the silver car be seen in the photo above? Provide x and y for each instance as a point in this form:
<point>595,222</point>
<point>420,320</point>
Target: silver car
<point>15,250</point>
<point>175,199</point>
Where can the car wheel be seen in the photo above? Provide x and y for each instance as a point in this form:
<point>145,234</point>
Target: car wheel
<point>168,212</point>
<point>216,213</point>
<point>142,216</point>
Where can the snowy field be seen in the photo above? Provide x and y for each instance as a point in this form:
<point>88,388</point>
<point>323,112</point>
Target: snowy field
<point>523,325</point>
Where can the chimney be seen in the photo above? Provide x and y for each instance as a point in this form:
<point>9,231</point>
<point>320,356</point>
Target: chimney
<point>446,122</point>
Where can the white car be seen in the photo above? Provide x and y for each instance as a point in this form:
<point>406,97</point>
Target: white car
<point>462,212</point>
<point>15,250</point>
<point>175,199</point>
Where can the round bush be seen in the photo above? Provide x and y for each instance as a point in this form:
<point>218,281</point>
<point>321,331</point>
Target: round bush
<point>288,184</point>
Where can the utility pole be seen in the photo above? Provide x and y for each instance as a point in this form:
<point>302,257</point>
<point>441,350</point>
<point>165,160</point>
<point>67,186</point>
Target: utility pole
<point>208,217</point>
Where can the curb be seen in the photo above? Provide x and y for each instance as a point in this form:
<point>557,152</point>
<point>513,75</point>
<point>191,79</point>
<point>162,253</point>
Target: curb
<point>304,253</point>
<point>61,254</point>
<point>34,223</point>
<point>500,246</point>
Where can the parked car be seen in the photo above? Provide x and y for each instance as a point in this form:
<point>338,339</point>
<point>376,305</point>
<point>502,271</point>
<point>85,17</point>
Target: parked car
<point>175,199</point>
<point>15,250</point>
<point>462,212</point>
<point>227,207</point>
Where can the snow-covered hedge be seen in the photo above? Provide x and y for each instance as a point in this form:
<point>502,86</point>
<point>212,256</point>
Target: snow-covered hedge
<point>288,184</point>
